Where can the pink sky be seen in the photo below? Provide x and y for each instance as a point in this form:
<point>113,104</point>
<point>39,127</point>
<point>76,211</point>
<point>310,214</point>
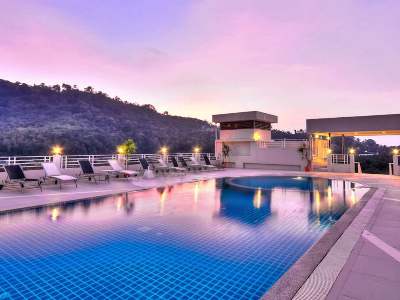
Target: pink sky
<point>295,59</point>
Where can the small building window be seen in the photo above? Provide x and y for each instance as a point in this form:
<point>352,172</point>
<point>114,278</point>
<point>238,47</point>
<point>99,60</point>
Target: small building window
<point>245,125</point>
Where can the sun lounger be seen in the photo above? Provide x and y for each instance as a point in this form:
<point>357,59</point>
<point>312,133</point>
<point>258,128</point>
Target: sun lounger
<point>117,169</point>
<point>164,164</point>
<point>144,164</point>
<point>186,165</point>
<point>53,172</point>
<point>195,164</point>
<point>176,165</point>
<point>89,173</point>
<point>208,163</point>
<point>17,178</point>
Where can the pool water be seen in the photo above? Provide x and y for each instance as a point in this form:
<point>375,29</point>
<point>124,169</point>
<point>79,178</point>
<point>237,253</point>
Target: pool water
<point>210,239</point>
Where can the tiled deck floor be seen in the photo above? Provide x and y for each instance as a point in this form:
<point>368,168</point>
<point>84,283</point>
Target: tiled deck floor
<point>369,273</point>
<point>373,268</point>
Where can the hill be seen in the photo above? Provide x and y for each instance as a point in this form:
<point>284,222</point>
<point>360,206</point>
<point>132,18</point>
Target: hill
<point>32,118</point>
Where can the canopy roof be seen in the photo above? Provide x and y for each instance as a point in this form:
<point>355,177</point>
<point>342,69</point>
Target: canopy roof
<point>356,126</point>
<point>245,116</point>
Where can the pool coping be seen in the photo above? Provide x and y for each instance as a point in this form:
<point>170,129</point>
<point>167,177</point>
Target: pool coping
<point>83,198</point>
<point>295,278</point>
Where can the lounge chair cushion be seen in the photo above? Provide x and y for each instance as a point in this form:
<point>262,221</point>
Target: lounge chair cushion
<point>115,165</point>
<point>195,163</point>
<point>14,172</point>
<point>64,177</point>
<point>144,163</point>
<point>51,169</point>
<point>86,167</point>
<point>162,163</point>
<point>129,172</point>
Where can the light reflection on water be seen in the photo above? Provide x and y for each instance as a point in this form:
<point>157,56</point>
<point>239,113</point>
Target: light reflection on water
<point>269,226</point>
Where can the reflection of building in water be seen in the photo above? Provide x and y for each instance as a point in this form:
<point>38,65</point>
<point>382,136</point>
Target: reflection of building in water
<point>249,207</point>
<point>329,199</point>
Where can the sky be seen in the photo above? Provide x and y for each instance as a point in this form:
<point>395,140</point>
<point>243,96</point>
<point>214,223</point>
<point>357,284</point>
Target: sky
<point>295,59</point>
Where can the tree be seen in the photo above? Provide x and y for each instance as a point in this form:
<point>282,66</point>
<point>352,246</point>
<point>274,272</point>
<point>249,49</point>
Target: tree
<point>149,106</point>
<point>89,89</point>
<point>56,88</point>
<point>66,87</point>
<point>127,147</point>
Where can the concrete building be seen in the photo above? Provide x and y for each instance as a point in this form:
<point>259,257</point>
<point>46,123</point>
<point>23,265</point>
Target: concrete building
<point>244,141</point>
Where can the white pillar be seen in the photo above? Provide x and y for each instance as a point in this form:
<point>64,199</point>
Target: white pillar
<point>352,164</point>
<point>396,167</point>
<point>57,160</point>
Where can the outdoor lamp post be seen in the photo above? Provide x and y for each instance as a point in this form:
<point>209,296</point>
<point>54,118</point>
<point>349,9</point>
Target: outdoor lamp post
<point>56,151</point>
<point>164,153</point>
<point>196,151</point>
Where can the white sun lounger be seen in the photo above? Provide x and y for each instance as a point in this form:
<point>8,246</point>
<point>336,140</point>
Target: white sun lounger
<point>117,168</point>
<point>53,172</point>
<point>195,164</point>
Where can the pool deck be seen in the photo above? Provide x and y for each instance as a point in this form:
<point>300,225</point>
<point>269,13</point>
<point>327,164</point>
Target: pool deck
<point>369,247</point>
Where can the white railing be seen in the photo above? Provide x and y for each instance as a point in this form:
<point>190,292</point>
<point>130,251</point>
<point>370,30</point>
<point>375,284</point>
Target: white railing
<point>340,159</point>
<point>282,144</point>
<point>71,161</point>
<point>27,162</point>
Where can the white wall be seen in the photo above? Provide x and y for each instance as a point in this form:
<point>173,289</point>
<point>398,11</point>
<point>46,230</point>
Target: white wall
<point>265,158</point>
<point>348,167</point>
<point>244,134</point>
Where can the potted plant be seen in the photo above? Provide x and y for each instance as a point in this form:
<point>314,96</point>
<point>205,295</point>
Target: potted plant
<point>126,148</point>
<point>225,152</point>
<point>303,150</point>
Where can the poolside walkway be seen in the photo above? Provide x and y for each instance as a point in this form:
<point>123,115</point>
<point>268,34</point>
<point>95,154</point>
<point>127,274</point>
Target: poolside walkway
<point>371,270</point>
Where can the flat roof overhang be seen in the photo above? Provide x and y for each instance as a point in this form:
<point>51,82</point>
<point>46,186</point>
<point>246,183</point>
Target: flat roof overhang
<point>355,126</point>
<point>245,116</point>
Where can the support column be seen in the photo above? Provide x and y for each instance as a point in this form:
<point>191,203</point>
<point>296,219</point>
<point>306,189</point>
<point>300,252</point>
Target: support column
<point>396,166</point>
<point>352,164</point>
<point>57,160</point>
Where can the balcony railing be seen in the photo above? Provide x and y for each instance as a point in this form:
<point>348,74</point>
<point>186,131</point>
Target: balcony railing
<point>340,159</point>
<point>282,144</point>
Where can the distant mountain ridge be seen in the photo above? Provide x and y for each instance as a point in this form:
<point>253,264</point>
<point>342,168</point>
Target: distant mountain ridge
<point>33,118</point>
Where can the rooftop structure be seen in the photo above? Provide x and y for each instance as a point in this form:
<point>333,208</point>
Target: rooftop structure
<point>355,126</point>
<point>248,137</point>
<point>245,116</point>
<point>321,130</point>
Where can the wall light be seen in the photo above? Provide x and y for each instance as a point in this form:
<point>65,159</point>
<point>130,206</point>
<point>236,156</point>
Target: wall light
<point>164,150</point>
<point>352,151</point>
<point>121,150</point>
<point>196,149</point>
<point>56,150</point>
<point>257,136</point>
<point>396,151</point>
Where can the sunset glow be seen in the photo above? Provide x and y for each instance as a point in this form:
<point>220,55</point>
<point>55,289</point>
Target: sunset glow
<point>295,59</point>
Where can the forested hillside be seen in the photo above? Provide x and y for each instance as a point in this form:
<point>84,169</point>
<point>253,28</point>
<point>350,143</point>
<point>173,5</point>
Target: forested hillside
<point>32,118</point>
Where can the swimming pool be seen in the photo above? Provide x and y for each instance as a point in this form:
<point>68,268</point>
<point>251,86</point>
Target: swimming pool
<point>214,239</point>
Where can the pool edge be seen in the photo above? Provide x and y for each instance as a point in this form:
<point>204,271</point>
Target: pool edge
<point>293,280</point>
